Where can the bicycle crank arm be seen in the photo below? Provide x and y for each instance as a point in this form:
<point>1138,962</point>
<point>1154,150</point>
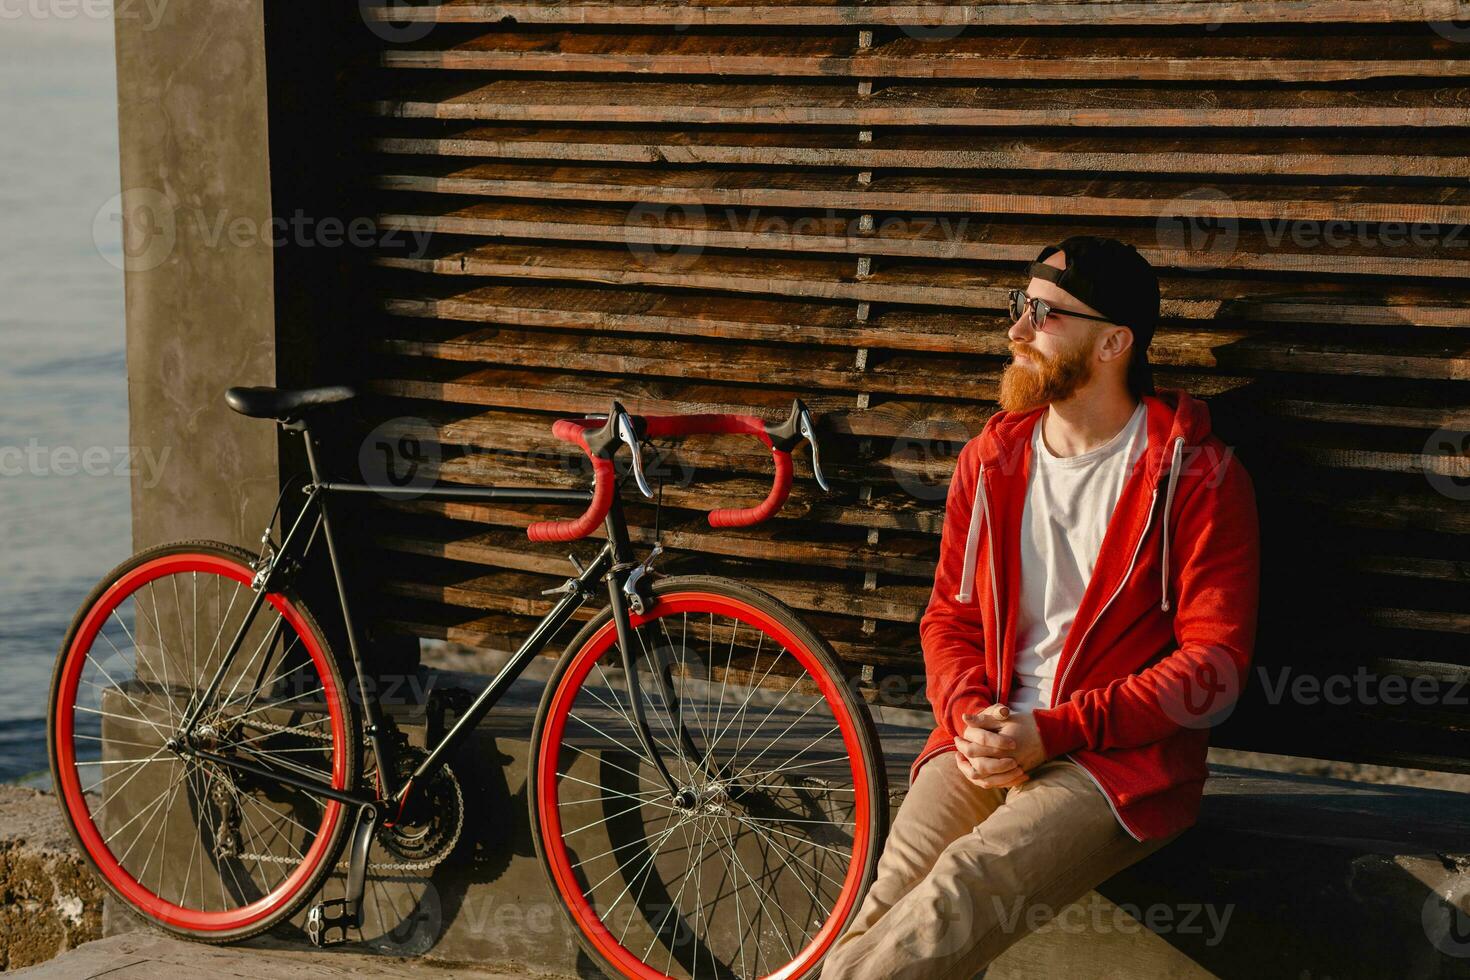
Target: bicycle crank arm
<point>346,913</point>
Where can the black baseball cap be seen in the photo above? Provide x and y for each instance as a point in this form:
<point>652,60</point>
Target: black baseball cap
<point>1112,278</point>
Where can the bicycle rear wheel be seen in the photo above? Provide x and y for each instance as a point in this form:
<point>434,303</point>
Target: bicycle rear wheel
<point>758,865</point>
<point>200,848</point>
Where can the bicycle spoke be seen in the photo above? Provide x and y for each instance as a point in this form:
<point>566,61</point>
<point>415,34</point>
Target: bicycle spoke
<point>200,839</point>
<point>614,765</point>
<point>753,856</point>
<point>769,836</point>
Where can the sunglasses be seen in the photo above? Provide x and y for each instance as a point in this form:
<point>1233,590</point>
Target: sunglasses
<point>1040,308</point>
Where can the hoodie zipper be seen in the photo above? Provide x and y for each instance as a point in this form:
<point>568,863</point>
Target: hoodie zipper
<point>1056,692</point>
<point>1137,550</point>
<point>1105,795</point>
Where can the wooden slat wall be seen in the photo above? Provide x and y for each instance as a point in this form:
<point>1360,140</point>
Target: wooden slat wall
<point>713,206</point>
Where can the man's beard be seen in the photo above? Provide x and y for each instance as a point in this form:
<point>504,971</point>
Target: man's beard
<point>1024,387</point>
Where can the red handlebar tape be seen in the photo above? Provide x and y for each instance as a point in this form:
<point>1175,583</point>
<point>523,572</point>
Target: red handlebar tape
<point>661,426</point>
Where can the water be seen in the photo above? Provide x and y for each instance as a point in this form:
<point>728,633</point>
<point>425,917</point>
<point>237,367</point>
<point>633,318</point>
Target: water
<point>63,388</point>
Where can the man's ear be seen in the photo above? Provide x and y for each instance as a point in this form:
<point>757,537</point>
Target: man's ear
<point>1118,343</point>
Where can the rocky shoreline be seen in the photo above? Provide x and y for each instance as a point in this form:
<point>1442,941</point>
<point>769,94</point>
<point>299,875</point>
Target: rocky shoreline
<point>50,901</point>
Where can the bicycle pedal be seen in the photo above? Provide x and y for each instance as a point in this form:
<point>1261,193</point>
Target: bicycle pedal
<point>319,920</point>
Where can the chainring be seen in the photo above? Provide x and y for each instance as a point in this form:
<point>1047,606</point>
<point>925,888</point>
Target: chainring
<point>429,826</point>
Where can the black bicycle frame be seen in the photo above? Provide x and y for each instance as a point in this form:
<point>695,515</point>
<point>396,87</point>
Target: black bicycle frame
<point>614,561</point>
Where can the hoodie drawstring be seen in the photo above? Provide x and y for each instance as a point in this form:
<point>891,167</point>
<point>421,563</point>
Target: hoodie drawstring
<point>977,510</point>
<point>972,542</point>
<point>1168,499</point>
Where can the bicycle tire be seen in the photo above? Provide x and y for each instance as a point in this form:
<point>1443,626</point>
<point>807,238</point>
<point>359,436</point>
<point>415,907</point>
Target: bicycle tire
<point>126,581</point>
<point>596,641</point>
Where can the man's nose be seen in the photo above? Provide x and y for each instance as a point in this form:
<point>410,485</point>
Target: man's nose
<point>1022,330</point>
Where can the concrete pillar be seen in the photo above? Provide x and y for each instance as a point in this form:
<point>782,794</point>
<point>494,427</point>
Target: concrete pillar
<point>200,302</point>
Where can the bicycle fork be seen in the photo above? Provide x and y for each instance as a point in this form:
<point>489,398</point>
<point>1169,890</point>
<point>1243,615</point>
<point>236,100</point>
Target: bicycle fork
<point>624,625</point>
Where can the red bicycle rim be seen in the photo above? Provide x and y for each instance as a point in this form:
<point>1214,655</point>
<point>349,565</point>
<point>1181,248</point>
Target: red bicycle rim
<point>70,785</point>
<point>546,781</point>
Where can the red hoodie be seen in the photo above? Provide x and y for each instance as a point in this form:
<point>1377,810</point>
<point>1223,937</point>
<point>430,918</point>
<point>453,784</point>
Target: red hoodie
<point>1170,610</point>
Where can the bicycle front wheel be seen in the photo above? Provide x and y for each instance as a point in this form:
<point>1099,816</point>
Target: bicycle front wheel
<point>759,861</point>
<point>200,848</point>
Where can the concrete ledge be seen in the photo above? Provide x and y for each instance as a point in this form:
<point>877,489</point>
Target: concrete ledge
<point>160,958</point>
<point>51,901</point>
<point>1285,875</point>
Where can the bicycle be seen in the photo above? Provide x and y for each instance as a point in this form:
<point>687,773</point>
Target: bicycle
<point>676,764</point>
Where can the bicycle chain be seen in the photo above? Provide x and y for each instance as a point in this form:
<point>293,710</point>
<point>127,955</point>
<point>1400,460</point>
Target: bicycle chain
<point>374,866</point>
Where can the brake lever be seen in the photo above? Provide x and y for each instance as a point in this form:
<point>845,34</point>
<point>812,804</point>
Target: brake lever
<point>629,435</point>
<point>808,430</point>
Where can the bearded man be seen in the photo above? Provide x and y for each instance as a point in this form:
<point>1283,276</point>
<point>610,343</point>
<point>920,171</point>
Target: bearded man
<point>1094,607</point>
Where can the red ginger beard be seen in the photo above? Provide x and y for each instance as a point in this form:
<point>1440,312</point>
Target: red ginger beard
<point>1044,380</point>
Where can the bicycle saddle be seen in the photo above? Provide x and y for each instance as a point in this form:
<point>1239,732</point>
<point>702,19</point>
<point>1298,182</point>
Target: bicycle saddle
<point>285,404</point>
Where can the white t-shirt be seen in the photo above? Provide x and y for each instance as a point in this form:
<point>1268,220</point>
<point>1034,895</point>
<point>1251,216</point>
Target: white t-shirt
<point>1069,501</point>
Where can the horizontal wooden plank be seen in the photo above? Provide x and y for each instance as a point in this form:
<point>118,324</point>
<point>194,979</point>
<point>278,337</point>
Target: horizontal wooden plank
<point>905,464</point>
<point>844,505</point>
<point>891,644</point>
<point>1450,467</point>
<point>918,464</point>
<point>681,531</point>
<point>924,17</point>
<point>898,372</point>
<point>1395,735</point>
<point>835,104</point>
<point>1422,620</point>
<point>1168,244</point>
<point>1448,570</point>
<point>797,276</point>
<point>931,193</point>
<point>612,310</point>
<point>1092,152</point>
<point>582,393</point>
<point>771,321</point>
<point>518,592</point>
<point>969,55</point>
<point>1454,416</point>
<point>1385,508</point>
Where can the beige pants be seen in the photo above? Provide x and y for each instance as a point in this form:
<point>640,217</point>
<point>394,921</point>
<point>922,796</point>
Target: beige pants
<point>968,871</point>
